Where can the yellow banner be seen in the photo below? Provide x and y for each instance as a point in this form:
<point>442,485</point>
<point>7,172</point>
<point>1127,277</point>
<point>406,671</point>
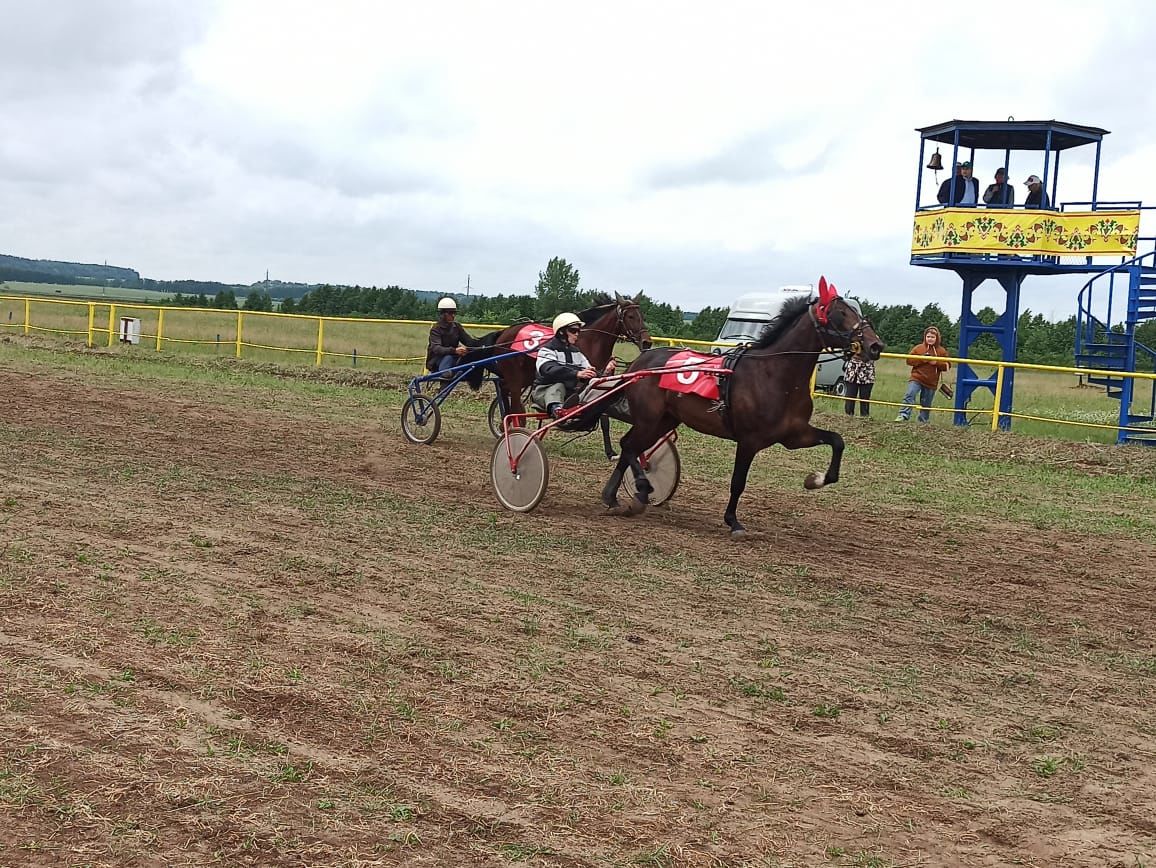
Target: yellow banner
<point>1006,230</point>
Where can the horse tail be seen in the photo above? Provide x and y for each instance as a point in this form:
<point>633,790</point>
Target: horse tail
<point>486,349</point>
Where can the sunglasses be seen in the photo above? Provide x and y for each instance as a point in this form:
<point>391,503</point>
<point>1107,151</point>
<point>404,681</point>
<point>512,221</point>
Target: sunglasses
<point>574,329</point>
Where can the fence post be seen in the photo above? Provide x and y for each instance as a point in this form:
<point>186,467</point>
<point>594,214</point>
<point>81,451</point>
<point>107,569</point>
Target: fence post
<point>998,394</point>
<point>240,319</point>
<point>91,322</point>
<point>160,327</point>
<point>111,322</point>
<point>355,357</point>
<point>27,315</point>
<point>320,339</point>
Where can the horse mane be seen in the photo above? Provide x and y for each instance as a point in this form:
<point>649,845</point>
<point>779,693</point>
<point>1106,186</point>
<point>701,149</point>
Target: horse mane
<point>599,303</point>
<point>788,314</point>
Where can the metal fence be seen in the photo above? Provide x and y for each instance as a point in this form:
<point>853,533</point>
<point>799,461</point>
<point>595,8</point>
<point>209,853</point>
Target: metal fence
<point>383,341</point>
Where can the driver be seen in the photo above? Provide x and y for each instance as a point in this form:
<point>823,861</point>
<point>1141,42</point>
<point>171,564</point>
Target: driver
<point>563,369</point>
<point>447,340</point>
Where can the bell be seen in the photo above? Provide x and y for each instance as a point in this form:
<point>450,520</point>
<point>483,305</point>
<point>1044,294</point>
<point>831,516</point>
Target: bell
<point>935,163</point>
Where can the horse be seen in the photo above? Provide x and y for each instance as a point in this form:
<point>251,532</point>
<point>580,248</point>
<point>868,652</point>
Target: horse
<point>766,401</point>
<point>603,324</point>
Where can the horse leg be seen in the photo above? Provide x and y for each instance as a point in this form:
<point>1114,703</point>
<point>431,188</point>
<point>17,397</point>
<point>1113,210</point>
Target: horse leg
<point>633,445</point>
<point>610,490</point>
<point>607,446</point>
<point>744,455</point>
<point>808,436</point>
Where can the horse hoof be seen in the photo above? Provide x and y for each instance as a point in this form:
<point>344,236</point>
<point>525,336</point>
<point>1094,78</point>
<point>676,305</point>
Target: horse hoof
<point>610,456</point>
<point>815,480</point>
<point>739,533</point>
<point>633,507</point>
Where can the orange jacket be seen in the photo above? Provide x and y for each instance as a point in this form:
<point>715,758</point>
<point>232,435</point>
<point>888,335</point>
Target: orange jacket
<point>926,373</point>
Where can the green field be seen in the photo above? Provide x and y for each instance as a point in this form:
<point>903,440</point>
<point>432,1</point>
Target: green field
<point>246,623</point>
<point>292,340</point>
<point>84,291</point>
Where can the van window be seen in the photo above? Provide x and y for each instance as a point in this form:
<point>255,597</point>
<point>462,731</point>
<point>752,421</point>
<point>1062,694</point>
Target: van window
<point>735,329</point>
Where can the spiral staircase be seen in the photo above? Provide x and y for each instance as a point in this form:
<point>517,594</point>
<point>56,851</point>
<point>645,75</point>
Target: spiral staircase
<point>1105,346</point>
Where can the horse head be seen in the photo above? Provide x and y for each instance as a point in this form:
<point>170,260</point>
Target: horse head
<point>840,325</point>
<point>631,323</point>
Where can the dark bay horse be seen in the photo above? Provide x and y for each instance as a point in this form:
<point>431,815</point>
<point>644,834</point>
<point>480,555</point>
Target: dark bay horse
<point>604,323</point>
<point>767,401</point>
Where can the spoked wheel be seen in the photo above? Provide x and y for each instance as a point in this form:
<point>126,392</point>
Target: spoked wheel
<point>421,420</point>
<point>494,417</point>
<point>663,470</point>
<point>523,489</point>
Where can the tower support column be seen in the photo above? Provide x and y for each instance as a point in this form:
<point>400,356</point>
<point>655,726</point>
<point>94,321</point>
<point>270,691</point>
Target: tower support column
<point>1004,330</point>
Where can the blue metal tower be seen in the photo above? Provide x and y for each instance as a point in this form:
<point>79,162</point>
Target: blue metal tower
<point>1005,241</point>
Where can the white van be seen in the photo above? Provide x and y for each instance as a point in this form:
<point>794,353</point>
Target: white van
<point>750,314</point>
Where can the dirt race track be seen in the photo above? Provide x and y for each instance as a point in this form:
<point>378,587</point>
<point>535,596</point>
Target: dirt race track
<point>242,624</point>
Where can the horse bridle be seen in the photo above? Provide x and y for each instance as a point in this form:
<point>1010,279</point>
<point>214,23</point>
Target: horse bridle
<point>621,330</point>
<point>831,336</point>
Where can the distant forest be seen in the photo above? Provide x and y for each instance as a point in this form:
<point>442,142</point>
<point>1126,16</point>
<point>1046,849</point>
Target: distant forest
<point>23,270</point>
<point>901,326</point>
<point>558,289</point>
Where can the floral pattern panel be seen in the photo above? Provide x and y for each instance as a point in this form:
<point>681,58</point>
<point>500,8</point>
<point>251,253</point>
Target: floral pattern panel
<point>1006,230</point>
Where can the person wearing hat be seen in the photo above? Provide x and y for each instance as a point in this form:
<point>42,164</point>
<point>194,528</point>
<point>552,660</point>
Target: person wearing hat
<point>924,375</point>
<point>1037,195</point>
<point>962,190</point>
<point>562,367</point>
<point>447,340</point>
<point>1001,194</point>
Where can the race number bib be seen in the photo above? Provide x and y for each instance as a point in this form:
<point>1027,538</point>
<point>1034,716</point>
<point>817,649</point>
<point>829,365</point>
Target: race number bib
<point>698,381</point>
<point>530,338</point>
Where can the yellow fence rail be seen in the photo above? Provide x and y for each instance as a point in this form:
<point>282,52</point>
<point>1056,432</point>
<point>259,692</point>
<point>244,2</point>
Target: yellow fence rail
<point>1001,369</point>
<point>319,337</point>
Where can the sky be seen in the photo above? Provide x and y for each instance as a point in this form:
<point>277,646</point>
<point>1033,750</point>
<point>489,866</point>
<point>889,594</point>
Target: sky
<point>694,151</point>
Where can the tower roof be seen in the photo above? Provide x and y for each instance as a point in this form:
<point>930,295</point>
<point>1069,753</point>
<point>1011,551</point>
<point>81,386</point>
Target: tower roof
<point>1013,135</point>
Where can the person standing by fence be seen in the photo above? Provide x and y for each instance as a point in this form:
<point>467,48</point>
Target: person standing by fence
<point>924,375</point>
<point>858,380</point>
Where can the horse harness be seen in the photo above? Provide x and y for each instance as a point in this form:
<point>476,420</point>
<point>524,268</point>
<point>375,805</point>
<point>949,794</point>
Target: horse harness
<point>828,334</point>
<point>831,336</point>
<point>723,405</point>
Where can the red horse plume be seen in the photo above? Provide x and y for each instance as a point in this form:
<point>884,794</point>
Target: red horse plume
<point>827,294</point>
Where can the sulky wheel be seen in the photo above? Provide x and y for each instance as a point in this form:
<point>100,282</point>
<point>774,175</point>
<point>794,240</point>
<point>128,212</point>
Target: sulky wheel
<point>421,420</point>
<point>663,469</point>
<point>523,489</point>
<point>494,416</point>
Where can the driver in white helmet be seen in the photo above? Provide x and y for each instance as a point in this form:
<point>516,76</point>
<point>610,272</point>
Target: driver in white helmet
<point>563,370</point>
<point>447,340</point>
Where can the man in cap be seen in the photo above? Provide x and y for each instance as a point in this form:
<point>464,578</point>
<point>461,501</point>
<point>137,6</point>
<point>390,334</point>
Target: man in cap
<point>1037,195</point>
<point>1001,194</point>
<point>963,189</point>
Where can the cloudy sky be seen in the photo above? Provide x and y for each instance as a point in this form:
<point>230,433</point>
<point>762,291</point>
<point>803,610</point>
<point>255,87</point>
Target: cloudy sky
<point>692,150</point>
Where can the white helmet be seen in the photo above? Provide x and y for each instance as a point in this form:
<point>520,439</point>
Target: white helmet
<point>447,304</point>
<point>565,319</point>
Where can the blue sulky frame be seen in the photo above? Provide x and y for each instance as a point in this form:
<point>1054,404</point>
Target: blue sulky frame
<point>425,408</point>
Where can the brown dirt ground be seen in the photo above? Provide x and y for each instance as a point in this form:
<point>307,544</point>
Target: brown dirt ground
<point>211,654</point>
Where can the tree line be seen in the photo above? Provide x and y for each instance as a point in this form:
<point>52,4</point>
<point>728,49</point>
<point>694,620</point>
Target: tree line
<point>558,289</point>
